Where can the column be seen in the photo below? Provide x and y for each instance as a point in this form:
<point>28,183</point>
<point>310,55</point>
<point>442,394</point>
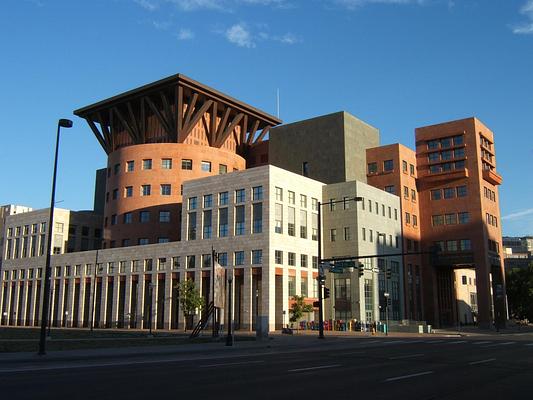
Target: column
<point>168,300</point>
<point>127,302</point>
<point>247,299</point>
<point>267,311</point>
<point>116,292</point>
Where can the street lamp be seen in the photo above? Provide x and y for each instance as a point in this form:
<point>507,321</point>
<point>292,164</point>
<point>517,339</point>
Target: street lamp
<point>150,293</point>
<point>386,293</point>
<point>256,309</point>
<point>321,278</point>
<point>62,123</point>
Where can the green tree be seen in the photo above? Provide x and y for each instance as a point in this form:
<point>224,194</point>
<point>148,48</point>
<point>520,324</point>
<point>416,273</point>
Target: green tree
<point>189,298</point>
<point>520,292</point>
<point>298,308</point>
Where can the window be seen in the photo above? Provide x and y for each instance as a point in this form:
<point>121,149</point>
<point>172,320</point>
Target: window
<point>291,259</point>
<point>164,216</point>
<point>390,189</point>
<point>176,262</point>
<point>193,202</point>
<point>465,244</point>
<point>435,169</point>
<point>115,194</point>
<point>208,227</point>
<point>223,222</point>
<point>363,233</point>
<point>461,191</point>
<point>412,169</point>
<point>463,279</point>
<point>459,165</point>
<point>372,168</point>
<point>114,219</point>
<point>415,220</point>
<point>303,260</point>
<point>413,195</point>
<point>166,163</point>
<point>437,220</point>
<point>292,285</point>
<point>257,218</point>
<point>332,205</point>
<point>464,217</point>
<point>278,257</point>
<point>459,153</point>
<point>125,242</point>
<point>433,157</point>
<point>291,197</point>
<point>405,192</point>
<point>208,201</point>
<point>445,143</point>
<point>388,165</point>
<point>223,259</point>
<point>291,221</point>
<point>143,241</point>
<point>222,169</point>
<point>314,204</point>
<point>257,193</point>
<point>240,196</point>
<point>279,194</point>
<point>144,216</point>
<point>305,168</point>
<point>147,164</point>
<point>239,220</point>
<point>130,166</point>
<point>458,140</point>
<point>333,235</point>
<point>207,261</point>
<point>223,199</point>
<point>303,201</point>
<point>145,190</point>
<point>257,257</point>
<point>303,224</point>
<point>278,215</point>
<point>191,227</point>
<point>436,194</point>
<point>451,245</point>
<point>449,193</point>
<point>165,189</point>
<point>347,234</point>
<point>450,219</point>
<point>404,166</point>
<point>446,155</point>
<point>433,144</point>
<point>314,226</point>
<point>186,164</point>
<point>191,262</point>
<point>206,166</point>
<point>407,218</point>
<point>58,228</point>
<point>128,191</point>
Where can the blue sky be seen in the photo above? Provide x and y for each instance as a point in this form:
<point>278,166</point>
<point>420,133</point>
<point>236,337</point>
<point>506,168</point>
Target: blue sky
<point>396,64</point>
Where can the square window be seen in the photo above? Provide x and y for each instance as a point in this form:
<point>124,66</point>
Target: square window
<point>128,219</point>
<point>449,193</point>
<point>143,241</point>
<point>222,169</point>
<point>166,163</point>
<point>291,197</point>
<point>186,164</point>
<point>223,199</point>
<point>144,216</point>
<point>165,189</point>
<point>461,191</point>
<point>206,166</point>
<point>208,201</point>
<point>239,258</point>
<point>257,193</point>
<point>193,202</point>
<point>463,217</point>
<point>146,190</point>
<point>147,164</point>
<point>433,144</point>
<point>303,201</point>
<point>128,191</point>
<point>433,157</point>
<point>279,194</point>
<point>390,189</point>
<point>130,166</point>
<point>372,168</point>
<point>436,194</point>
<point>445,143</point>
<point>240,196</point>
<point>388,165</point>
<point>164,216</point>
<point>278,257</point>
<point>257,257</point>
<point>116,169</point>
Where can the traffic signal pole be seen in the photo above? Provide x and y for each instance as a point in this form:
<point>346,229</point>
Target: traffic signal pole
<point>320,276</point>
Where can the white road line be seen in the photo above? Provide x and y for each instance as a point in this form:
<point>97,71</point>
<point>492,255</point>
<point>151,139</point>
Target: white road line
<point>483,342</point>
<point>372,341</point>
<point>529,344</point>
<point>481,361</point>
<point>229,364</point>
<point>457,342</point>
<point>397,378</point>
<point>408,356</point>
<point>500,344</point>
<point>313,368</point>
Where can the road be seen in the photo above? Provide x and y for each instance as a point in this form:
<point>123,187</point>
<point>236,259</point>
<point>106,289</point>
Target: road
<point>373,368</point>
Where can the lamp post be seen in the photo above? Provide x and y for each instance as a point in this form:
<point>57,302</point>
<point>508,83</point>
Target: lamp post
<point>50,311</point>
<point>386,293</point>
<point>256,309</point>
<point>62,123</point>
<point>150,311</point>
<point>321,277</point>
<point>95,283</point>
<point>229,338</point>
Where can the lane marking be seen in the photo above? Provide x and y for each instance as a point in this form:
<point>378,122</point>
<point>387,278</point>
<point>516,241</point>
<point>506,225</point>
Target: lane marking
<point>483,342</point>
<point>529,344</point>
<point>397,378</point>
<point>434,341</point>
<point>313,368</point>
<point>457,342</point>
<point>482,361</point>
<point>229,364</point>
<point>408,356</point>
<point>500,344</point>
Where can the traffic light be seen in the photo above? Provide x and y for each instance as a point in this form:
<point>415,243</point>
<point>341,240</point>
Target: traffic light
<point>388,273</point>
<point>326,293</point>
<point>361,271</point>
<point>321,279</point>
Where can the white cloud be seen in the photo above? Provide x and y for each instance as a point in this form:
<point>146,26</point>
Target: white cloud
<point>519,214</point>
<point>192,5</point>
<point>526,27</point>
<point>147,4</point>
<point>240,35</point>
<point>185,34</point>
<point>288,38</point>
<point>161,25</point>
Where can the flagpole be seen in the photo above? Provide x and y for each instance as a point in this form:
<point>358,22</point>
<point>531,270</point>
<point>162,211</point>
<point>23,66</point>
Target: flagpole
<point>213,286</point>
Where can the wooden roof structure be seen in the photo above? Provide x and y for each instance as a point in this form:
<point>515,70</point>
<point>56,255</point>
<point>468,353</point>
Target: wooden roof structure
<point>166,111</point>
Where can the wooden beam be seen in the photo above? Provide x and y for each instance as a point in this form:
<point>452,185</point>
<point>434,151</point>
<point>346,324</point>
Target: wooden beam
<point>142,127</point>
<point>262,135</point>
<point>133,122</point>
<point>126,125</point>
<point>190,110</point>
<point>158,115</point>
<point>252,132</point>
<point>179,108</point>
<point>244,128</point>
<point>98,135</point>
<point>220,141</point>
<point>188,127</point>
<point>222,124</point>
<point>206,128</point>
<point>171,121</point>
<point>105,130</point>
<point>213,123</point>
<point>112,129</point>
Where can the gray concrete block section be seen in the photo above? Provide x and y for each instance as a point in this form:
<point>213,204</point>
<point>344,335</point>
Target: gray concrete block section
<point>333,147</point>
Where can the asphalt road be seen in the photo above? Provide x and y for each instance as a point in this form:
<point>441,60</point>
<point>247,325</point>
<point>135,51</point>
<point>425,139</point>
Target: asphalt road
<point>355,368</point>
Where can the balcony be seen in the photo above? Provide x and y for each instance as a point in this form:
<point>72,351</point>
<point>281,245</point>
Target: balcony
<point>492,177</point>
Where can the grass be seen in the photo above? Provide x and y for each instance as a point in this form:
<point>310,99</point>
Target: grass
<point>27,339</point>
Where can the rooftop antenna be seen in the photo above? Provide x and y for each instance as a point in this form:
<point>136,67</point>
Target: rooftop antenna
<point>277,102</point>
